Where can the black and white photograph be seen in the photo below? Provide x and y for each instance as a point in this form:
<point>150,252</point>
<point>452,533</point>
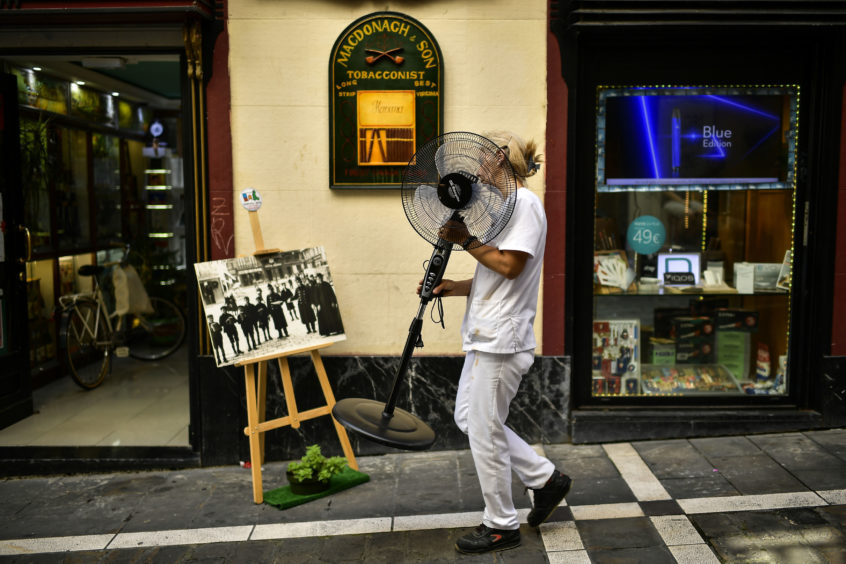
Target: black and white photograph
<point>269,304</point>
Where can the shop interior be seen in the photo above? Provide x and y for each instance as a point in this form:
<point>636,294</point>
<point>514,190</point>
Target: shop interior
<point>102,179</point>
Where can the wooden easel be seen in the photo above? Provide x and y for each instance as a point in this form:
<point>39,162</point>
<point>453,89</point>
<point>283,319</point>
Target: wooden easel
<point>257,393</point>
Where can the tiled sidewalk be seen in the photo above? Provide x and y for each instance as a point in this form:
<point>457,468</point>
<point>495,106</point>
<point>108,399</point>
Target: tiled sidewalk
<point>768,498</point>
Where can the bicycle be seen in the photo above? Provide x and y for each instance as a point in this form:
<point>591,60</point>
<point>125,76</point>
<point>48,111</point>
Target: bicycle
<point>87,334</point>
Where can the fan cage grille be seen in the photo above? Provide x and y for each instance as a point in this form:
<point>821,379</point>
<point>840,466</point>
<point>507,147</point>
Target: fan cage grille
<point>470,154</point>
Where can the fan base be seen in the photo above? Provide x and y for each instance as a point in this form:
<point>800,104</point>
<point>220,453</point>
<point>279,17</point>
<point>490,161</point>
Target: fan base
<point>401,430</point>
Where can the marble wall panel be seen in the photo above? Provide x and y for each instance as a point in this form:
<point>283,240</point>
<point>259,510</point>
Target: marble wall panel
<point>539,413</point>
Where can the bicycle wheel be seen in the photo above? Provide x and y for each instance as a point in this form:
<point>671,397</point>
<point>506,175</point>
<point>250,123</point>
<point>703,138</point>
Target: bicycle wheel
<point>155,335</point>
<point>84,337</point>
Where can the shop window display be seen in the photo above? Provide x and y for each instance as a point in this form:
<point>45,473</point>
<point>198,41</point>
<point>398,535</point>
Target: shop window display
<point>693,242</point>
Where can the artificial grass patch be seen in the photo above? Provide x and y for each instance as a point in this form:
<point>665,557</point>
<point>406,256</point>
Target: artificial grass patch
<point>283,498</point>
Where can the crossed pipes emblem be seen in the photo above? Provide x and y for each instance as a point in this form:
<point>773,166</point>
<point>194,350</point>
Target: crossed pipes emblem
<point>376,55</point>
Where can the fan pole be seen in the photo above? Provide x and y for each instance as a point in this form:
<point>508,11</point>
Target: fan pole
<point>434,274</point>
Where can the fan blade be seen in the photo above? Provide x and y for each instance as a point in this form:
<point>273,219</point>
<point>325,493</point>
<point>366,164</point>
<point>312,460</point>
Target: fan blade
<point>427,205</point>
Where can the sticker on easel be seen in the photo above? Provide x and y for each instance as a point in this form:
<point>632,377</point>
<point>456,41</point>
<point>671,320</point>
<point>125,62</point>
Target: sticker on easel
<point>250,199</point>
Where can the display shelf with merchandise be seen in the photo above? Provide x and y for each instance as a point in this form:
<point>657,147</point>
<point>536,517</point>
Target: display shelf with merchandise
<point>693,236</point>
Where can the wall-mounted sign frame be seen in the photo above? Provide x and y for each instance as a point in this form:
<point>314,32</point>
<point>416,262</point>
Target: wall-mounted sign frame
<point>386,81</point>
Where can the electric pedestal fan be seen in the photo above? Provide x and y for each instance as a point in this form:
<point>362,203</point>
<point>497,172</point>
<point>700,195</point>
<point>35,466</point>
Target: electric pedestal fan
<point>458,192</point>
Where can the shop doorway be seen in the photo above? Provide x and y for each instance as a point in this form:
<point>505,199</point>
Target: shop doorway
<point>101,171</point>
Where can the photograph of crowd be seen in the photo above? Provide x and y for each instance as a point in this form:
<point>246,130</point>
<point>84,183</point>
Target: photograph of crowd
<point>269,304</point>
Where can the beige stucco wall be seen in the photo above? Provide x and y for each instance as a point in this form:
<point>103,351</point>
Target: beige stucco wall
<point>494,55</point>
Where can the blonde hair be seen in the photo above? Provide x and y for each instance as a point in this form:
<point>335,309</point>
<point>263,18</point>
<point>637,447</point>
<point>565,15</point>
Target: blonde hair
<point>522,154</point>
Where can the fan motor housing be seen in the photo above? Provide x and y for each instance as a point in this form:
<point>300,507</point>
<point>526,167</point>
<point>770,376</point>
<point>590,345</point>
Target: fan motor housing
<point>455,190</point>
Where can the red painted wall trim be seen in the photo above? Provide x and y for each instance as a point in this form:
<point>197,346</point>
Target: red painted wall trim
<point>555,200</point>
<point>199,6</point>
<point>44,12</point>
<point>219,131</point>
<point>838,321</point>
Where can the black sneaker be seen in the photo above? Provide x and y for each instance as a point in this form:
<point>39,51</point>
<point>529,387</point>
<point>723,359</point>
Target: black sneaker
<point>548,497</point>
<point>485,539</point>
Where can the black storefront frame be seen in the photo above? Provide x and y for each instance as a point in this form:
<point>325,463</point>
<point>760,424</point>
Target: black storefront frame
<point>195,72</point>
<point>664,46</point>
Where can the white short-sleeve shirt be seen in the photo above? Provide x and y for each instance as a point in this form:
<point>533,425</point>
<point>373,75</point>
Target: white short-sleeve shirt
<point>500,312</point>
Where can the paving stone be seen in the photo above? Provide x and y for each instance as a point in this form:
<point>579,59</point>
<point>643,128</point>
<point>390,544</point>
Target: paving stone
<point>568,451</point>
<point>725,446</point>
<point>259,551</point>
<point>823,478</point>
<point>661,507</point>
<point>704,486</point>
<point>834,554</point>
<point>586,467</point>
<point>673,459</point>
<point>427,485</point>
<point>609,534</point>
<point>789,535</point>
<point>835,515</point>
<point>162,513</point>
<point>79,520</point>
<point>832,440</point>
<point>652,555</point>
<point>18,496</point>
<point>757,474</point>
<point>592,491</point>
<point>51,558</point>
<point>796,451</point>
<point>153,555</point>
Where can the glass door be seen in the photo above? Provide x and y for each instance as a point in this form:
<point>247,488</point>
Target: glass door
<point>15,385</point>
<point>86,146</point>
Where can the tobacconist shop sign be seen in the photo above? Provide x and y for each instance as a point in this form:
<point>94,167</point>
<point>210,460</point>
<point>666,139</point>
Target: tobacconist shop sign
<point>385,99</point>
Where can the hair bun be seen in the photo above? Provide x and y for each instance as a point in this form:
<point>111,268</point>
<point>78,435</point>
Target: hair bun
<point>532,167</point>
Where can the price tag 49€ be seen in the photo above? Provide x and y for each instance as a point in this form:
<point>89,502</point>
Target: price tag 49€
<point>646,234</point>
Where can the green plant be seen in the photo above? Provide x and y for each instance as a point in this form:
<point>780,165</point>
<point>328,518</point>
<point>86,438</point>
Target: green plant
<point>315,465</point>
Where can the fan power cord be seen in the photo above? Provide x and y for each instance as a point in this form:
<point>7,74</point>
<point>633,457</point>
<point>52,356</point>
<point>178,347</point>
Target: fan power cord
<point>440,307</point>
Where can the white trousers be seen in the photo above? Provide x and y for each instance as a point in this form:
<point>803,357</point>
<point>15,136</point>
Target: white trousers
<point>487,385</point>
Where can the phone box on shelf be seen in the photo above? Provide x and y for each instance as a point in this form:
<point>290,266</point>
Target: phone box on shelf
<point>698,350</point>
<point>663,351</point>
<point>766,275</point>
<point>690,327</point>
<point>663,320</point>
<point>751,277</point>
<point>744,278</point>
<point>737,320</point>
<point>694,340</point>
<point>733,350</point>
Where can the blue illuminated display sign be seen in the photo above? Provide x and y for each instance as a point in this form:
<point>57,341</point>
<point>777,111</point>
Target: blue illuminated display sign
<point>666,138</point>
